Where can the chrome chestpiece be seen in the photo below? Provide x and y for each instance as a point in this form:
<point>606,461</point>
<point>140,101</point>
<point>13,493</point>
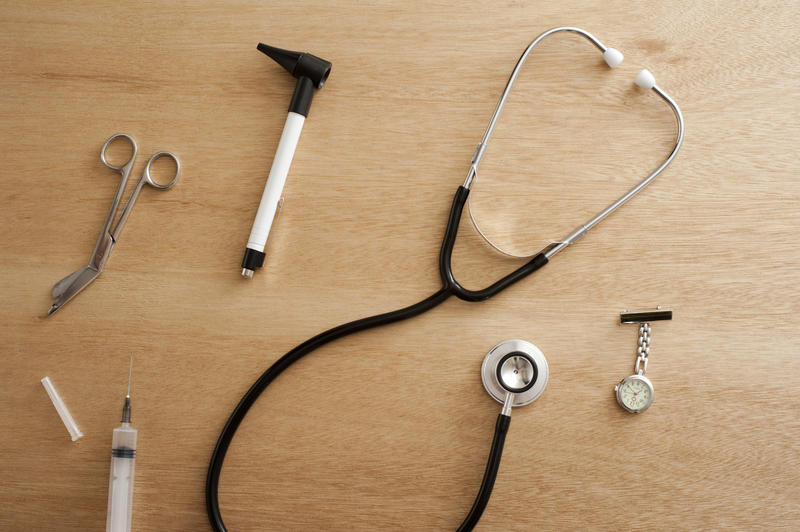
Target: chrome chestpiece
<point>517,367</point>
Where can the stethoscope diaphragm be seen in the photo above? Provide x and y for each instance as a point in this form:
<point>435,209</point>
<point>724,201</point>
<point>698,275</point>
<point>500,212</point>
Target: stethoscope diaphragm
<point>517,367</point>
<point>517,372</point>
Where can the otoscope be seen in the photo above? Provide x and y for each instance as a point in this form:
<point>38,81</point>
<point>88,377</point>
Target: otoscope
<point>311,73</point>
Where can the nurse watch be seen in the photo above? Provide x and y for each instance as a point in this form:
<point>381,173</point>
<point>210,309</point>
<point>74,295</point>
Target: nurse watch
<point>635,392</point>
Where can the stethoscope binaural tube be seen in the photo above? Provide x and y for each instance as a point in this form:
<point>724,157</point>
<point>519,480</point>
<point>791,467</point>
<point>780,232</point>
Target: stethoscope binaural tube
<point>446,254</point>
<point>612,58</point>
<point>450,287</point>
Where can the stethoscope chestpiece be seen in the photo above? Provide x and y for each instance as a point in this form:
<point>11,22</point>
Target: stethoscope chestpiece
<point>517,372</point>
<point>517,367</point>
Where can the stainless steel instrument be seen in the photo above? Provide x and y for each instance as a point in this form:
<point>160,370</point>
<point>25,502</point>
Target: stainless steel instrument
<point>72,284</point>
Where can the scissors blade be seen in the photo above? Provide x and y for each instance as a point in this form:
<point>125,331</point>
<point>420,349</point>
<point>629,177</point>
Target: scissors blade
<point>79,280</point>
<point>64,283</point>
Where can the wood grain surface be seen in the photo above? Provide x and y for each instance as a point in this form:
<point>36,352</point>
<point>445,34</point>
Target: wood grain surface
<point>390,429</point>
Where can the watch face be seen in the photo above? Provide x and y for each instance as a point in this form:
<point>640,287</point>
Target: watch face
<point>635,393</point>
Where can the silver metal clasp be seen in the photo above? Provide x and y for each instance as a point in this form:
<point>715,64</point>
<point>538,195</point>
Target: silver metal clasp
<point>643,318</point>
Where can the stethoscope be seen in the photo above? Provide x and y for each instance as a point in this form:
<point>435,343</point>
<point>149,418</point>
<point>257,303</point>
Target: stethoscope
<point>515,371</point>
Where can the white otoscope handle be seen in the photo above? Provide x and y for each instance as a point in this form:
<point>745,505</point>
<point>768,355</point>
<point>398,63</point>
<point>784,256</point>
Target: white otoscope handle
<point>277,179</point>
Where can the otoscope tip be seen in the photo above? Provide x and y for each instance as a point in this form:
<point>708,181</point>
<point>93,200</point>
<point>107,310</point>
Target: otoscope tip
<point>299,64</point>
<point>288,59</point>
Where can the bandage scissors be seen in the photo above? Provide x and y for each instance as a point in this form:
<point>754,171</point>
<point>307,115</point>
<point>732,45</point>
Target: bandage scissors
<point>69,286</point>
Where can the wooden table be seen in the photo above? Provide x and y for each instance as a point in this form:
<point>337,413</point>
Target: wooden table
<point>390,429</point>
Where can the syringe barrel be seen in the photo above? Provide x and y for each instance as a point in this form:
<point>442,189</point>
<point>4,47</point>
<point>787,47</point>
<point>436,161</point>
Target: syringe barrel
<point>120,482</point>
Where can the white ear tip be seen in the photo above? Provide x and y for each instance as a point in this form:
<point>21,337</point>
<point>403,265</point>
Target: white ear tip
<point>645,79</point>
<point>613,57</point>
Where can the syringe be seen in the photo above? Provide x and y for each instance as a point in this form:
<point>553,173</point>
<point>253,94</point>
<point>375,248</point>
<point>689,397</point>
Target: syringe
<point>123,458</point>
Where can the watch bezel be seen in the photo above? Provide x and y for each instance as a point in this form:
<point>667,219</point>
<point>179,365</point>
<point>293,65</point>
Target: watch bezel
<point>641,378</point>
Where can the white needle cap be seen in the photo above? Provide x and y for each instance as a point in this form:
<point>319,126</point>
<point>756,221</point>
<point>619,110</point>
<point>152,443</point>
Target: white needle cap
<point>62,410</point>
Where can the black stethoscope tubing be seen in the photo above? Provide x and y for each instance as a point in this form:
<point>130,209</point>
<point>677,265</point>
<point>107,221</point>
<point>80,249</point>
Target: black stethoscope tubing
<point>450,287</point>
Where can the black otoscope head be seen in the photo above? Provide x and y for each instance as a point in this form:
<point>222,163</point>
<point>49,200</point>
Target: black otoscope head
<point>311,72</point>
<point>299,64</point>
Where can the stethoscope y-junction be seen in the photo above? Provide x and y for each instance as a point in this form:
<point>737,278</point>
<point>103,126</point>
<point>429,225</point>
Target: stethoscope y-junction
<point>517,371</point>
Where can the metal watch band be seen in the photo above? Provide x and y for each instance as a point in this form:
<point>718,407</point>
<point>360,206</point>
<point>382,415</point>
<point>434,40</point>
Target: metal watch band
<point>643,349</point>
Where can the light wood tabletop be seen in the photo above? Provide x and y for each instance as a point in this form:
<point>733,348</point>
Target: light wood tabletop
<point>390,429</point>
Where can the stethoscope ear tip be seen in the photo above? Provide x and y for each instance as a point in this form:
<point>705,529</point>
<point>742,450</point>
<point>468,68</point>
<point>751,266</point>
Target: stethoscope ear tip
<point>613,57</point>
<point>645,79</point>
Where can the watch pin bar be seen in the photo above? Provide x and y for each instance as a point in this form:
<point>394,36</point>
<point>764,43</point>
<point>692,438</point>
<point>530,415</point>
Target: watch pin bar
<point>644,316</point>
